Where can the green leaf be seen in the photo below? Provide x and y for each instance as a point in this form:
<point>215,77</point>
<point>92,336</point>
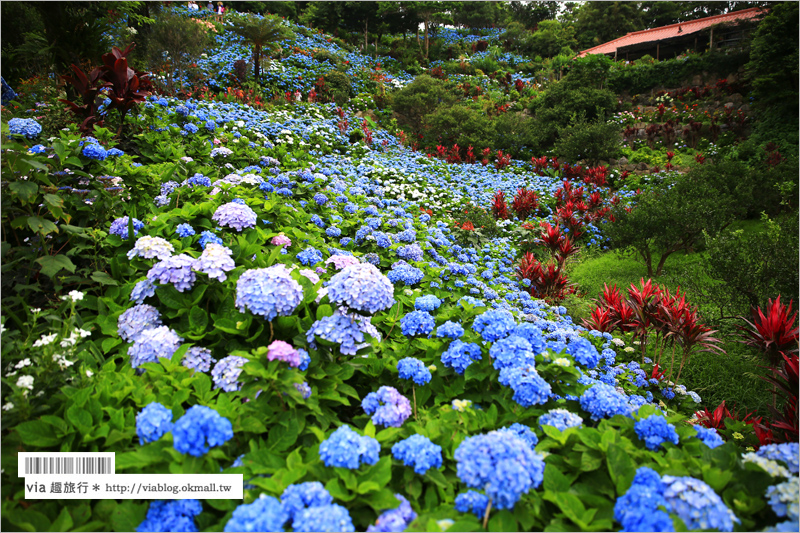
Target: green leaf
<point>569,504</point>
<point>555,481</point>
<point>323,311</point>
<point>52,264</point>
<point>621,468</point>
<point>198,319</point>
<point>128,515</point>
<point>380,472</point>
<point>337,491</point>
<point>63,521</point>
<point>382,500</point>
<point>437,477</point>
<point>367,486</point>
<point>80,418</point>
<point>37,433</point>
<point>503,521</point>
<point>24,189</point>
<point>103,279</point>
<point>42,225</point>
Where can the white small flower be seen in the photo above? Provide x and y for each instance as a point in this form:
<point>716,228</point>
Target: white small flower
<point>25,382</point>
<point>7,407</point>
<point>22,364</point>
<point>75,296</point>
<point>89,373</point>
<point>35,310</point>
<point>83,332</point>
<point>45,340</point>
<point>11,374</point>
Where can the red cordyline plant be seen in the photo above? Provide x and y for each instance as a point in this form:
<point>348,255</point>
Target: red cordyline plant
<point>774,333</point>
<point>548,282</point>
<point>499,207</point>
<point>784,380</point>
<point>525,203</point>
<point>717,420</point>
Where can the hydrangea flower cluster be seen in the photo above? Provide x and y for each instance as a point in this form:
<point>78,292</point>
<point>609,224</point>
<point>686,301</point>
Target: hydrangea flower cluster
<point>171,515</point>
<point>788,452</point>
<point>24,126</point>
<point>709,437</point>
<point>201,429</point>
<point>459,355</point>
<point>198,358</point>
<point>494,324</point>
<point>208,237</point>
<point>473,502</point>
<point>501,464</point>
<point>340,328</point>
<point>153,422</point>
<point>697,504</point>
<point>177,270</point>
<point>94,151</point>
<point>235,215</point>
<point>417,323</point>
<point>397,519</point>
<point>328,518</point>
<point>418,451</point>
<point>184,230</point>
<point>347,449</point>
<point>120,227</point>
<point>153,343</point>
<point>602,401</point>
<point>215,261</point>
<point>783,498</point>
<point>450,329</point>
<point>303,495</point>
<point>341,261</point>
<point>149,247</point>
<point>643,507</point>
<point>402,271</point>
<point>560,419</point>
<point>283,351</point>
<point>226,373</point>
<point>654,430</point>
<point>361,287</point>
<point>512,351</point>
<point>310,256</point>
<point>528,386</point>
<point>269,292</point>
<point>137,319</point>
<point>429,303</point>
<point>142,290</point>
<point>583,351</point>
<point>413,368</point>
<point>523,432</point>
<point>387,406</point>
<point>264,514</point>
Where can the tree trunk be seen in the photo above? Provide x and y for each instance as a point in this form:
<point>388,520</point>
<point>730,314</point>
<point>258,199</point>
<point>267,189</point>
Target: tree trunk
<point>256,60</point>
<point>366,41</point>
<point>426,38</point>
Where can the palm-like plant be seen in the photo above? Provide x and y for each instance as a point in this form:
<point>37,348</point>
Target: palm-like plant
<point>261,33</point>
<point>773,333</point>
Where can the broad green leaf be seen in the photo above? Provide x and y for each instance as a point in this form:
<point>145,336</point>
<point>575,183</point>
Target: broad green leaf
<point>103,278</point>
<point>53,264</point>
<point>37,433</point>
<point>621,468</point>
<point>26,190</point>
<point>42,225</point>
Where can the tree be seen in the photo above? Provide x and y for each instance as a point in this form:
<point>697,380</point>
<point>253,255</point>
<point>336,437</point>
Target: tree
<point>676,216</point>
<point>530,14</point>
<point>429,13</point>
<point>421,97</point>
<point>182,38</point>
<point>477,14</point>
<point>551,37</point>
<point>600,22</point>
<point>261,33</point>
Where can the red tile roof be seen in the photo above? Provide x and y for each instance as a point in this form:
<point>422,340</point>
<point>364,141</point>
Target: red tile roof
<point>667,32</point>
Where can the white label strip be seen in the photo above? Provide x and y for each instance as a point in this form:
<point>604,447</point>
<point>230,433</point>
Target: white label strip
<point>135,487</point>
<point>65,463</point>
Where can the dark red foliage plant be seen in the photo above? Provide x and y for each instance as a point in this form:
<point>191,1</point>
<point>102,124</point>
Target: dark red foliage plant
<point>525,203</point>
<point>499,207</point>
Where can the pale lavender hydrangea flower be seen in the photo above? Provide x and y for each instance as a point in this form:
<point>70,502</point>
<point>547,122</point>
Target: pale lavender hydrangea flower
<point>149,247</point>
<point>143,289</point>
<point>177,270</point>
<point>269,292</point>
<point>153,343</point>
<point>342,261</point>
<point>226,373</point>
<point>215,261</point>
<point>137,319</point>
<point>234,215</point>
<point>198,358</point>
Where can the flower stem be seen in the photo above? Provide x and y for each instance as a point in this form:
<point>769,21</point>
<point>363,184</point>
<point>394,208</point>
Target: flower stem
<point>486,514</point>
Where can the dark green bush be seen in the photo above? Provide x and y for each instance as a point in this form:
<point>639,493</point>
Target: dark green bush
<point>562,103</point>
<point>588,141</point>
<point>486,64</point>
<point>460,125</point>
<point>421,97</point>
<point>324,55</point>
<point>339,86</point>
<point>515,134</point>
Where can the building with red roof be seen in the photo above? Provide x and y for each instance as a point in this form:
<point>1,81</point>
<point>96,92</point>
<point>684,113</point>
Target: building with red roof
<point>669,41</point>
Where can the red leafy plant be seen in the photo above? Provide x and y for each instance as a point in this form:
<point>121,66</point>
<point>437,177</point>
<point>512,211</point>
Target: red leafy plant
<point>525,203</point>
<point>499,207</point>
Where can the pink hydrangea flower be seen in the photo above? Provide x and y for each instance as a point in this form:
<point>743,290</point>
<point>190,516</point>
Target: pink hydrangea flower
<point>283,351</point>
<point>281,240</point>
<point>341,261</point>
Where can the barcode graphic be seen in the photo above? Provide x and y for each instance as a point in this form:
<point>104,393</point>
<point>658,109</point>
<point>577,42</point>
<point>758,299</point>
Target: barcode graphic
<point>69,465</point>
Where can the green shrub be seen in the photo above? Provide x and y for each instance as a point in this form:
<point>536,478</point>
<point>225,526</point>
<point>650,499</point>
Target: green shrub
<point>460,125</point>
<point>421,97</point>
<point>486,64</point>
<point>515,133</point>
<point>588,141</point>
<point>339,86</point>
<point>325,55</point>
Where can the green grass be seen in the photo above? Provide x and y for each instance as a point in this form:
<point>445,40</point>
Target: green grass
<point>715,377</point>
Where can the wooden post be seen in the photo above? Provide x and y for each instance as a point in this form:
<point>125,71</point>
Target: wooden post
<point>615,54</point>
<point>711,40</point>
<point>658,50</point>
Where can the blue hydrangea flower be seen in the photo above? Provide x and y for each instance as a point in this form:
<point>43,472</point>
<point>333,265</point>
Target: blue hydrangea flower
<point>137,319</point>
<point>171,515</point>
<point>783,498</point>
<point>215,261</point>
<point>643,507</point>
<point>347,449</point>
<point>429,303</point>
<point>184,230</point>
<point>120,227</point>
<point>602,401</point>
<point>494,324</point>
<point>450,329</point>
<point>397,519</point>
<point>501,464</point>
<point>788,452</point>
<point>94,151</point>
<point>269,292</point>
<point>264,514</point>
<point>333,231</point>
<point>317,221</point>
<point>512,351</point>
<point>199,179</point>
<point>459,355</point>
<point>142,290</point>
<point>710,437</point>
<point>583,351</point>
<point>226,373</point>
<point>361,287</point>
<point>387,406</point>
<point>528,386</point>
<point>523,432</point>
<point>697,504</point>
<point>413,368</point>
<point>297,497</point>
<point>177,269</point>
<point>320,198</point>
<point>149,247</point>
<point>310,256</point>
<point>402,271</point>
<point>198,358</point>
<point>654,430</point>
<point>473,502</point>
<point>153,422</point>
<point>411,252</point>
<point>234,215</point>
<point>327,518</point>
<point>153,343</point>
<point>339,328</point>
<point>419,452</point>
<point>208,237</point>
<point>560,419</point>
<point>199,430</point>
<point>24,126</point>
<point>304,389</point>
<point>417,323</point>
